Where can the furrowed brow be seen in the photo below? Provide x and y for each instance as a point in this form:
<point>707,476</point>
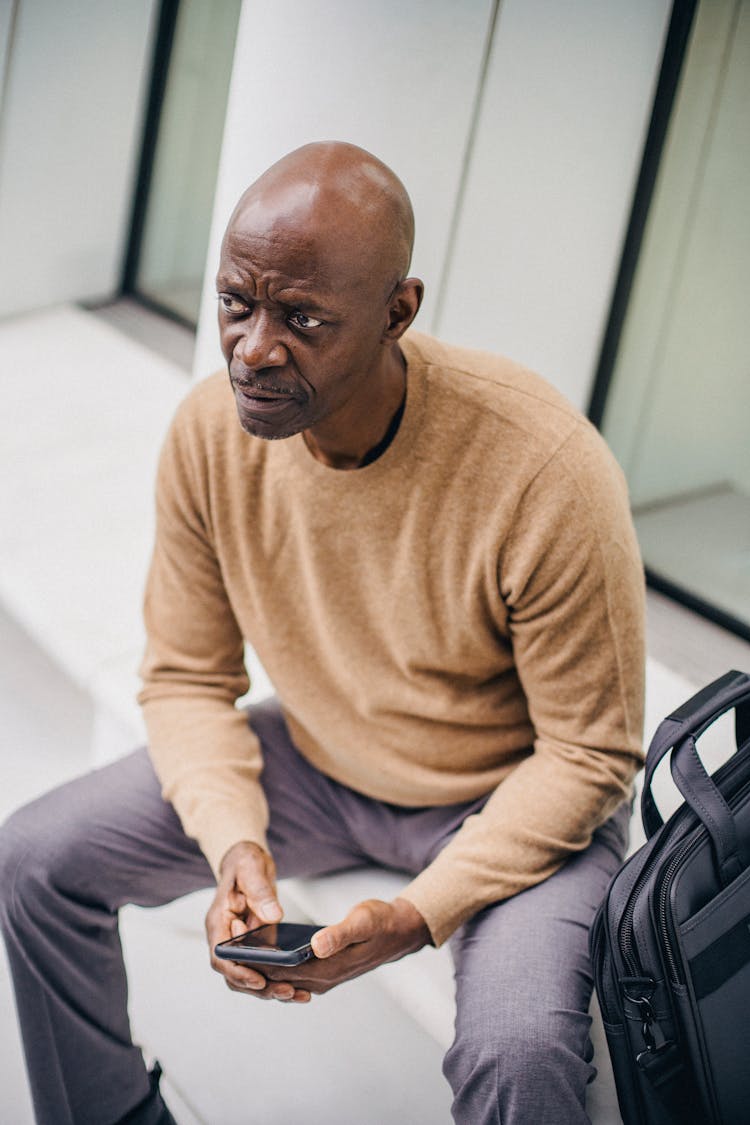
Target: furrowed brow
<point>305,302</point>
<point>229,281</point>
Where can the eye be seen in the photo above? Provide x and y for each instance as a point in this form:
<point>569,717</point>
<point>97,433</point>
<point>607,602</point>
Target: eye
<point>302,320</point>
<point>233,305</point>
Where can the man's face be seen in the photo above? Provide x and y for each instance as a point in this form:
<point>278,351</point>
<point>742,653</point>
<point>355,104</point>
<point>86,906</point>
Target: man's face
<point>301,328</point>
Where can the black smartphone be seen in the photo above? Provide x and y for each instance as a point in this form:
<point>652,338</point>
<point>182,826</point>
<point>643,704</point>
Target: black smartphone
<point>280,943</point>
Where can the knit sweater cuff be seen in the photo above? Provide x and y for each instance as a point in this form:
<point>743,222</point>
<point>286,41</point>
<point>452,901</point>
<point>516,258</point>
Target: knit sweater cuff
<point>221,828</point>
<point>443,911</point>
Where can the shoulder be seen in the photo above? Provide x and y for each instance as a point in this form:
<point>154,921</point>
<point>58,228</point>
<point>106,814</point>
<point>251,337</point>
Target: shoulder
<point>207,405</point>
<point>205,425</point>
<point>205,444</point>
<point>501,413</point>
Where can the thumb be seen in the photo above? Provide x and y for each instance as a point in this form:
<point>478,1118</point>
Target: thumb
<point>359,925</point>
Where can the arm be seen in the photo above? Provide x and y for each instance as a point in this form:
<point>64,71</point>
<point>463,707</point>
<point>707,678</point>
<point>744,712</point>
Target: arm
<point>205,755</point>
<point>571,578</point>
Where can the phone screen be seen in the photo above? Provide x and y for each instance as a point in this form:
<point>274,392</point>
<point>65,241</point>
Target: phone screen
<point>284,937</point>
<point>281,943</point>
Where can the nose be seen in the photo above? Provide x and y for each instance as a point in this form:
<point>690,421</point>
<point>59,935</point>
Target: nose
<point>260,346</point>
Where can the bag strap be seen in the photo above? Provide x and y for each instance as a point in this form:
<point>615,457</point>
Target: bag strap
<point>692,719</point>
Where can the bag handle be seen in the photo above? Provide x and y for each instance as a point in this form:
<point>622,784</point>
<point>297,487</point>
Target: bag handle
<point>691,720</point>
<point>709,805</point>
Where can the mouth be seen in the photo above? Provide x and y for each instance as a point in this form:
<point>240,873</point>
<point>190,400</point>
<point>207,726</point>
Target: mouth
<point>261,393</point>
<point>254,401</point>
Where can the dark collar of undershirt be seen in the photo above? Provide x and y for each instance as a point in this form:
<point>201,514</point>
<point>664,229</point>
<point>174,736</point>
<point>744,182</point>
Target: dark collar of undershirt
<point>387,438</point>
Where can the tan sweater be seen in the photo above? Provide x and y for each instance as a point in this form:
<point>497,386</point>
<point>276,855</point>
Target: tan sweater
<point>462,616</point>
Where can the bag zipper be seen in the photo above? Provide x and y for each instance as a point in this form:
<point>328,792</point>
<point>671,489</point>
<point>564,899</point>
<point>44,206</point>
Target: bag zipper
<point>673,968</point>
<point>626,933</point>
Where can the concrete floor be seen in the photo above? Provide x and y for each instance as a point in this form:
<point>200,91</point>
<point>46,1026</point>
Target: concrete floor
<point>716,524</point>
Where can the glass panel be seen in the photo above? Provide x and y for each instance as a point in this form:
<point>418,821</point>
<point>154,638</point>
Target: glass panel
<point>678,410</point>
<point>178,214</point>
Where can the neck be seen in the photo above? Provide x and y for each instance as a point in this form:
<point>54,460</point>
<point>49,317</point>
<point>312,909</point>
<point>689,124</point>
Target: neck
<point>343,440</point>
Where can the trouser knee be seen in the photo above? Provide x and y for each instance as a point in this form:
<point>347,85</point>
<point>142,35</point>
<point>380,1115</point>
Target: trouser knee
<point>15,850</point>
<point>519,1070</point>
<point>31,857</point>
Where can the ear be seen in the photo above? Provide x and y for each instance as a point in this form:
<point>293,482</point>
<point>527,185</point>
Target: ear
<point>403,307</point>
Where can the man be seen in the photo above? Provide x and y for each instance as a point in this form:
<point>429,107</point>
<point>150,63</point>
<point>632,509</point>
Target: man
<point>432,554</point>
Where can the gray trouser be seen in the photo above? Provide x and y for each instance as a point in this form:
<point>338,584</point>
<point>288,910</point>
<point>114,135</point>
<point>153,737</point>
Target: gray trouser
<point>69,860</point>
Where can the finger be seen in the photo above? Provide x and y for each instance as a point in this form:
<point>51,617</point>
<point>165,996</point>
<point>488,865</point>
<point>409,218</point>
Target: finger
<point>265,989</point>
<point>296,996</point>
<point>301,996</point>
<point>287,993</point>
<point>241,977</point>
<point>257,885</point>
<point>264,904</point>
<point>282,991</point>
<point>237,902</point>
<point>257,993</point>
<point>226,909</point>
<point>244,978</point>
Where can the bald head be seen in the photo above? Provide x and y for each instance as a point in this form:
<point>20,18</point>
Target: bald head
<point>314,298</point>
<point>344,198</point>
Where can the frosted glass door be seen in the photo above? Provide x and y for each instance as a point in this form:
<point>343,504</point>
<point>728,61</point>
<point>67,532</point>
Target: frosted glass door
<point>678,411</point>
<point>172,254</point>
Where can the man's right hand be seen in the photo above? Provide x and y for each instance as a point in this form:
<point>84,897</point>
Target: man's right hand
<point>246,898</point>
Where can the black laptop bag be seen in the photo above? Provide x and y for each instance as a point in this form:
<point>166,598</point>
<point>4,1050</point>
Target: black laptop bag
<point>670,945</point>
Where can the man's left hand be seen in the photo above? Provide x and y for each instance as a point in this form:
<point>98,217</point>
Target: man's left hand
<point>372,933</point>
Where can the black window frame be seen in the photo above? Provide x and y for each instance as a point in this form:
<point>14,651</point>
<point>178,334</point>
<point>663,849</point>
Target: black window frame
<point>676,44</point>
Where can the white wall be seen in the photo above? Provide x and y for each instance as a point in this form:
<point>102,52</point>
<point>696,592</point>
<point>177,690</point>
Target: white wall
<point>549,182</point>
<point>558,148</point>
<point>70,132</point>
<point>398,77</point>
